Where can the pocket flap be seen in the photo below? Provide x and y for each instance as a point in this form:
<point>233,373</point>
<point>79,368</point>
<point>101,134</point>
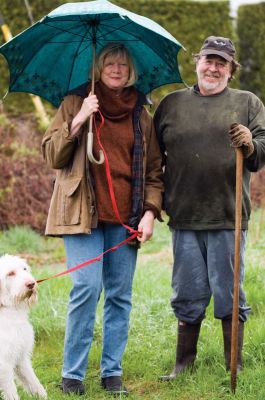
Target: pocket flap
<point>69,186</point>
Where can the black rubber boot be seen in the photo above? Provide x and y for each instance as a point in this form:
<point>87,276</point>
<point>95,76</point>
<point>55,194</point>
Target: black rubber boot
<point>227,334</point>
<point>188,336</point>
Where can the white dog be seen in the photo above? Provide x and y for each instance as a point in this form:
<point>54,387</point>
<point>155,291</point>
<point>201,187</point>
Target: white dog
<point>18,290</point>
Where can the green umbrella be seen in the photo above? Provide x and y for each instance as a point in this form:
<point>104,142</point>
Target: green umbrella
<point>54,56</point>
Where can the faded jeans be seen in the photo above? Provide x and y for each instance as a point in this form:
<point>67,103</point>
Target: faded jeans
<point>115,274</point>
<point>203,267</point>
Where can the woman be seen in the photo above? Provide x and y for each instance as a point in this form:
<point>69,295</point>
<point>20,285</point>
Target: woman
<point>81,209</point>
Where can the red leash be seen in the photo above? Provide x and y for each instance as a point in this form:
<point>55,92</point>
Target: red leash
<point>111,190</point>
<point>92,260</point>
<point>133,232</point>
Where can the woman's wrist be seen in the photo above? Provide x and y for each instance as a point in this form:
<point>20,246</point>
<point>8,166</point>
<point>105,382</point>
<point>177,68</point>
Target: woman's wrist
<point>150,213</point>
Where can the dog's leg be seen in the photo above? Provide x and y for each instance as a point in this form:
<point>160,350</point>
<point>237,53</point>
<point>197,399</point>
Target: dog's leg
<point>8,388</point>
<point>29,380</point>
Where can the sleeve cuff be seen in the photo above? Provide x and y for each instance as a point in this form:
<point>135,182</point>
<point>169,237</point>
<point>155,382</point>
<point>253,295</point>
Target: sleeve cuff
<point>152,208</point>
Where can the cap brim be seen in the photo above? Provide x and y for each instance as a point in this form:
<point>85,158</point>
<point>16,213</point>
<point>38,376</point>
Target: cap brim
<point>222,54</point>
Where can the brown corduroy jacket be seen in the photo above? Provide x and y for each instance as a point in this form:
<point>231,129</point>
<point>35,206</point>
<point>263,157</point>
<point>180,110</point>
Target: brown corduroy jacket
<point>72,208</point>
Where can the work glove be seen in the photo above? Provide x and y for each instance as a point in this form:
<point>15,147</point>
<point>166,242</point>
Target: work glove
<point>240,136</point>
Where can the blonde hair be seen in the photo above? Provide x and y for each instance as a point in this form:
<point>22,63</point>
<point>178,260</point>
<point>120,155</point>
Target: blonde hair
<point>115,51</point>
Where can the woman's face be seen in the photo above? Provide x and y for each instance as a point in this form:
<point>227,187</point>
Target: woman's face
<point>115,73</point>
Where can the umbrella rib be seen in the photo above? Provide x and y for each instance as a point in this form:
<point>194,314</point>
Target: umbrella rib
<point>116,29</point>
<point>136,39</point>
<point>102,35</point>
<point>84,22</point>
<point>64,30</point>
<point>76,52</point>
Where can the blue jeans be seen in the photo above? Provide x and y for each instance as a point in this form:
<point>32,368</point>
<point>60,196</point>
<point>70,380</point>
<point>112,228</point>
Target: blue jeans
<point>203,267</point>
<point>115,274</point>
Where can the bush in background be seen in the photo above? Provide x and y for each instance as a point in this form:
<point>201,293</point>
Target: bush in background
<point>25,180</point>
<point>251,33</point>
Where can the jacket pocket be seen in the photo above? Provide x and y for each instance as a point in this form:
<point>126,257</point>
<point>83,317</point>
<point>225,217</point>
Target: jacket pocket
<point>69,202</point>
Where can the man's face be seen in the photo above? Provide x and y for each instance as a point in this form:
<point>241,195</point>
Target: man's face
<point>213,74</point>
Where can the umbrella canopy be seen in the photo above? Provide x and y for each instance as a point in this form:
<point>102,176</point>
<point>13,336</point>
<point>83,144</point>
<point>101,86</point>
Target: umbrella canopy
<point>54,56</point>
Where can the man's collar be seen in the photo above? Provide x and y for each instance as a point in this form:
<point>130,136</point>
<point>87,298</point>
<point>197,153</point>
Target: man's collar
<point>196,89</point>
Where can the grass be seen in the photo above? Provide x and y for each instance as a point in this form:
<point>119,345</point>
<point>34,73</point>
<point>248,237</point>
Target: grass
<point>152,340</point>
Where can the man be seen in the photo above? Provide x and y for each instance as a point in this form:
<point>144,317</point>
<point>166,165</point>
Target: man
<point>198,129</point>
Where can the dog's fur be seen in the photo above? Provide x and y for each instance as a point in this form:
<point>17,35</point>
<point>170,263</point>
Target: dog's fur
<point>18,290</point>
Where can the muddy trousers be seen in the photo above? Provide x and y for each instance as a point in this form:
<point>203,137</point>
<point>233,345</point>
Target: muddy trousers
<point>203,267</point>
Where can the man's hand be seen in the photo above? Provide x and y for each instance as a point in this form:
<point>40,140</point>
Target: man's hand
<point>146,226</point>
<point>240,136</point>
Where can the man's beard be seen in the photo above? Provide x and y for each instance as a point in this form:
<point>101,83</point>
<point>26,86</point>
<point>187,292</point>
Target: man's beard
<point>211,86</point>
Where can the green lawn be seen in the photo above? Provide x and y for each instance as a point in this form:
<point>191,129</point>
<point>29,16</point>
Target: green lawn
<point>152,341</point>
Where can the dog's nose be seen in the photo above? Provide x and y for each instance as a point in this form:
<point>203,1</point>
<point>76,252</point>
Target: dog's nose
<point>30,284</point>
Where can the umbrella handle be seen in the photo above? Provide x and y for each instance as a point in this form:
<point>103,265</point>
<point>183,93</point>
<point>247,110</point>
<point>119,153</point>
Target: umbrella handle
<point>238,220</point>
<point>90,150</point>
<point>90,133</point>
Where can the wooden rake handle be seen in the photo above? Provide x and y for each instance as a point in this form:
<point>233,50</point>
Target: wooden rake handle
<point>235,316</point>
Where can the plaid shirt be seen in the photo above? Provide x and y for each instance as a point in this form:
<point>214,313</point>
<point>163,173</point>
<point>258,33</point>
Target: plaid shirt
<point>137,170</point>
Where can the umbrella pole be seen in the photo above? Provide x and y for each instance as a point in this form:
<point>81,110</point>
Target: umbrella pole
<point>235,315</point>
<point>90,132</point>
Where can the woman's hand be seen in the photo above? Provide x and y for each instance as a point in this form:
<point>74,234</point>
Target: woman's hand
<point>89,106</point>
<point>146,226</point>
